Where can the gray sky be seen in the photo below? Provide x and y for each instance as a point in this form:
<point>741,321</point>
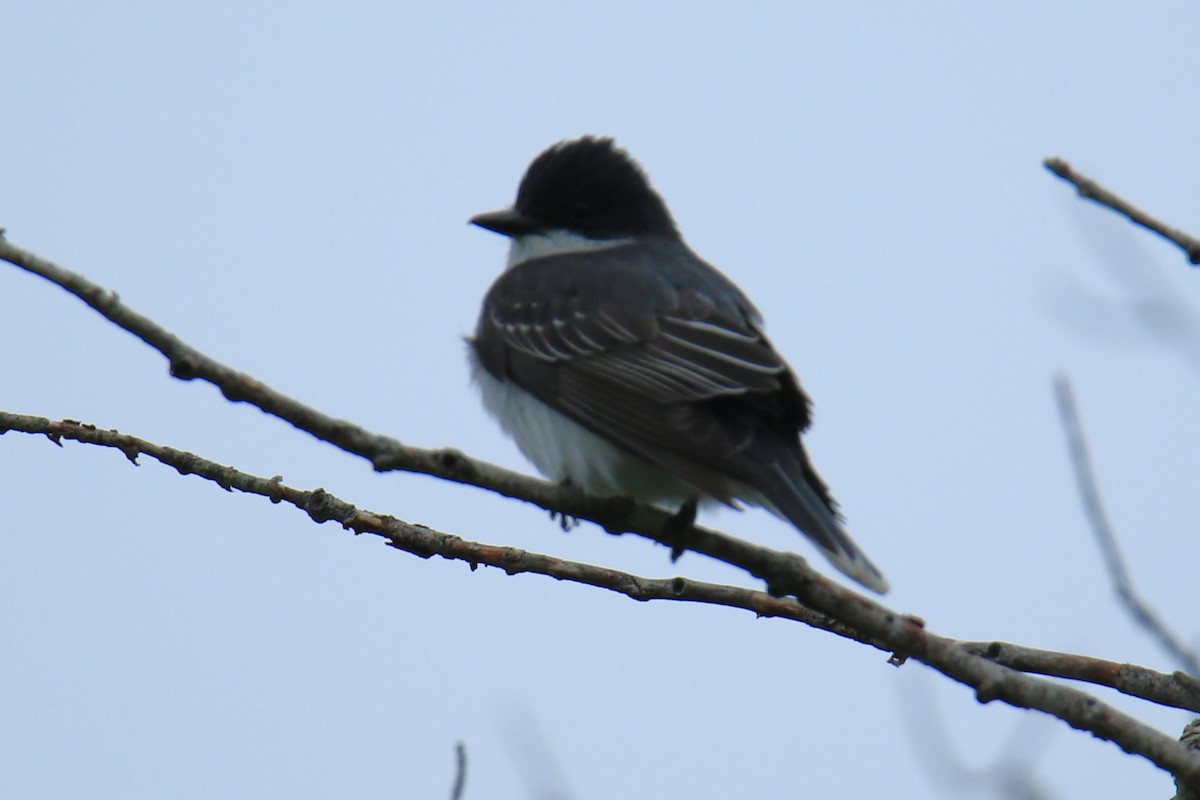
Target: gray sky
<point>286,187</point>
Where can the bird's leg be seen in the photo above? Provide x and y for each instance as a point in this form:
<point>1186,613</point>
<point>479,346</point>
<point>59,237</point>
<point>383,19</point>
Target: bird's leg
<point>679,527</point>
<point>566,521</point>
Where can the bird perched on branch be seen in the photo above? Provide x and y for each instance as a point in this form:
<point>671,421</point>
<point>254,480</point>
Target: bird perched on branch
<point>623,363</point>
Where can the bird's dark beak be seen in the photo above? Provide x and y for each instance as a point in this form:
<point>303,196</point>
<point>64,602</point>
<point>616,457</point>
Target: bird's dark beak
<point>507,221</point>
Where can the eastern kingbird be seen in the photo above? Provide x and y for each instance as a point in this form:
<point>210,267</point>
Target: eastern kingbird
<point>621,362</point>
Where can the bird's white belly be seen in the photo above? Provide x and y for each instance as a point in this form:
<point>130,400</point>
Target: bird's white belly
<point>564,450</point>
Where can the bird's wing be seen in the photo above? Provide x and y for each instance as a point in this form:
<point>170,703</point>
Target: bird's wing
<point>664,373</point>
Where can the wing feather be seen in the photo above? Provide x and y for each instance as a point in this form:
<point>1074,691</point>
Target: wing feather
<point>668,372</point>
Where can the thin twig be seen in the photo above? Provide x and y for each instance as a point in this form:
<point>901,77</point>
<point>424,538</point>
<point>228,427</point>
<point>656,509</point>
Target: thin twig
<point>1091,190</point>
<point>460,771</point>
<point>1177,689</point>
<point>1189,738</point>
<point>1106,537</point>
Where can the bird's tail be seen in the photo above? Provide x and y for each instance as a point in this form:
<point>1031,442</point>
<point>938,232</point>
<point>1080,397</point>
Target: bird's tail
<point>796,493</point>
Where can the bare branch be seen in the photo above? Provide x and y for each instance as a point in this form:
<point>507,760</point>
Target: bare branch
<point>424,541</point>
<point>1093,191</point>
<point>900,634</point>
<point>460,771</point>
<point>784,573</point>
<point>614,515</point>
<point>384,452</point>
<point>1178,689</point>
<point>1089,493</point>
<point>1190,738</point>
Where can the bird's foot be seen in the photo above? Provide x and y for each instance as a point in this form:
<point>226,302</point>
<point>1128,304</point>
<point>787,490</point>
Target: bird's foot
<point>679,528</point>
<point>566,521</point>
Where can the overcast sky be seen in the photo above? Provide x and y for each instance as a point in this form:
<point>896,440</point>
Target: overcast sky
<point>286,187</point>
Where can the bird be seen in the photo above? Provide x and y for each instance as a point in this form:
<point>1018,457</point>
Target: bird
<point>622,363</point>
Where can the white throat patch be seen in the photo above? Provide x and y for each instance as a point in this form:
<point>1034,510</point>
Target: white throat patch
<point>555,243</point>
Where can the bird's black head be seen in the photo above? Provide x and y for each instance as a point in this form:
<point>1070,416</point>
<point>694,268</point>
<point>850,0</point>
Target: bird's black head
<point>590,187</point>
